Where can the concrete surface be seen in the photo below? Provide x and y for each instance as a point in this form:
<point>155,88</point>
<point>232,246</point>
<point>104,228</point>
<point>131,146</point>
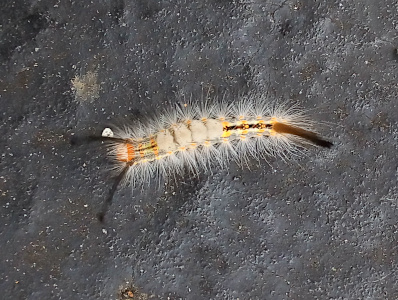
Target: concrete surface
<point>323,226</point>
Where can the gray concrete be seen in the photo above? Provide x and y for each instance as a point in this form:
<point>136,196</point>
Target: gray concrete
<point>323,226</point>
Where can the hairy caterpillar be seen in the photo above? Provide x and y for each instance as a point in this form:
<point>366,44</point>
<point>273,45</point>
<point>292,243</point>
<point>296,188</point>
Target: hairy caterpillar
<point>193,136</point>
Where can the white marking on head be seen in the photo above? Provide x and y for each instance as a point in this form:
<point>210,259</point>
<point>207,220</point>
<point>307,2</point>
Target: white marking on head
<point>107,132</point>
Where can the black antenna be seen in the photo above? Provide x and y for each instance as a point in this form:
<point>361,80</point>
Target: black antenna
<point>78,140</point>
<point>108,200</point>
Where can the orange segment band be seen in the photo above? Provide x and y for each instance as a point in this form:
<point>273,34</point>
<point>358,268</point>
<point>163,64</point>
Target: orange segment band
<point>125,152</point>
<point>154,146</point>
<point>130,152</point>
<point>142,153</point>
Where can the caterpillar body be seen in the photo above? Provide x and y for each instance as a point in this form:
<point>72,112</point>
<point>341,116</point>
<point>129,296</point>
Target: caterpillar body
<point>194,136</point>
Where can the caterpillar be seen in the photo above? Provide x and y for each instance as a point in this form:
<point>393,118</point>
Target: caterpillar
<point>193,136</point>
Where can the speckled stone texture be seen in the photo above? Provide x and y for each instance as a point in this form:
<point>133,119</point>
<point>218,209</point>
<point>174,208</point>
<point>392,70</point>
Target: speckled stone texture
<point>322,226</point>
